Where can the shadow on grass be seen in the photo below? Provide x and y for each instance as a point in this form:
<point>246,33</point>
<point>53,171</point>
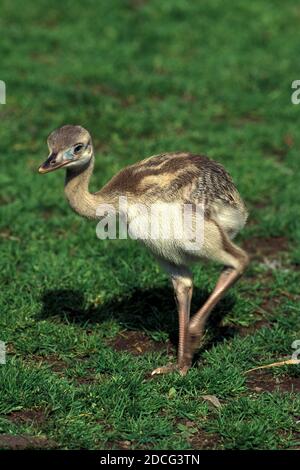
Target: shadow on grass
<point>151,310</point>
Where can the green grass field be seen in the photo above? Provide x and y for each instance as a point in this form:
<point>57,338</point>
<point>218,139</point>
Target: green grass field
<point>84,320</point>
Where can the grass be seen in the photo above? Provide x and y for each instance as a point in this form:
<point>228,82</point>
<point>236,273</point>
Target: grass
<point>146,77</point>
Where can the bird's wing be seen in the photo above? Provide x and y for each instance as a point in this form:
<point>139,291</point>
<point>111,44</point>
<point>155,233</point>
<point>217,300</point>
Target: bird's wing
<point>172,177</point>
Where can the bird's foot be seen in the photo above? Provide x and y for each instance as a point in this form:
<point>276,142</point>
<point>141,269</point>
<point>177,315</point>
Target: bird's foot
<point>164,369</point>
<point>182,369</point>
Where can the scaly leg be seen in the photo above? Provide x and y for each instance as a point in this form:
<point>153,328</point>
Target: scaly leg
<point>183,291</point>
<point>196,327</point>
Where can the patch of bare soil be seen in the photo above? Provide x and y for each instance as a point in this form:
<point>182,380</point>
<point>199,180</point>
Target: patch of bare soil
<point>262,204</point>
<point>47,214</point>
<point>136,4</point>
<point>59,366</point>
<point>23,441</point>
<point>269,304</point>
<point>248,119</point>
<point>263,381</point>
<point>56,364</point>
<point>281,151</point>
<point>91,377</point>
<point>8,235</point>
<point>119,445</point>
<point>294,435</point>
<point>204,440</point>
<point>4,199</point>
<point>125,445</point>
<point>138,343</point>
<point>248,330</point>
<point>261,247</point>
<point>265,311</point>
<point>199,438</point>
<point>34,416</point>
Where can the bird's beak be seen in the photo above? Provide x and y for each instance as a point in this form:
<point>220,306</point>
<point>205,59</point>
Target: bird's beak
<point>51,164</point>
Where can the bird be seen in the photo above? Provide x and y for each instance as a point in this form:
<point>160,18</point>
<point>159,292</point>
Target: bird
<point>168,180</point>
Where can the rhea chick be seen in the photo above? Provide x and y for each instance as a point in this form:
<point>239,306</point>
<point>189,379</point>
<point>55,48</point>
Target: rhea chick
<point>172,180</point>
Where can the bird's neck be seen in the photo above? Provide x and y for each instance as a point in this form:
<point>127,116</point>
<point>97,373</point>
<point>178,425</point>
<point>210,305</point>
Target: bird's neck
<point>77,190</point>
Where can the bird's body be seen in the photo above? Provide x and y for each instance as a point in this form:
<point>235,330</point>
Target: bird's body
<point>182,178</point>
<point>171,180</point>
<point>170,183</point>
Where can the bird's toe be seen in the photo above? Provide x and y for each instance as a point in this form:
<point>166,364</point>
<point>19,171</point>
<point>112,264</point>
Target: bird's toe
<point>182,369</point>
<point>164,369</point>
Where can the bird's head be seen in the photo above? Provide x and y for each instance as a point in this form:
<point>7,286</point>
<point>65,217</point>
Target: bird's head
<point>70,146</point>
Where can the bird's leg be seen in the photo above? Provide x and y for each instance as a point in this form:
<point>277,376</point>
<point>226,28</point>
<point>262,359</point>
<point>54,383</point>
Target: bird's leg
<point>183,292</point>
<point>196,327</point>
<point>184,296</point>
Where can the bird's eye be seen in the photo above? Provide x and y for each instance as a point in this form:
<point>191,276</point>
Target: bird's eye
<point>78,148</point>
